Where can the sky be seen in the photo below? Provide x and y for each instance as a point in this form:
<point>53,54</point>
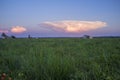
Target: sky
<point>60,18</point>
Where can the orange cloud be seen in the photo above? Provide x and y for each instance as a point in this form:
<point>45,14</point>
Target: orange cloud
<point>3,31</point>
<point>18,29</point>
<point>75,26</point>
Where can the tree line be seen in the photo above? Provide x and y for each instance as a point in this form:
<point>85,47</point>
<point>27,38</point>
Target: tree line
<point>5,36</point>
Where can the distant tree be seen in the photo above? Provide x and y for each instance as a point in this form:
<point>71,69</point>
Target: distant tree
<point>29,36</point>
<point>4,35</point>
<point>13,37</point>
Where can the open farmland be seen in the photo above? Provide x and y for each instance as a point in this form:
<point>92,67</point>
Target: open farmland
<point>60,59</point>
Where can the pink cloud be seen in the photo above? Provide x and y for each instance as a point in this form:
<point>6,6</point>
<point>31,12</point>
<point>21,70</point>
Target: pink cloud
<point>18,29</point>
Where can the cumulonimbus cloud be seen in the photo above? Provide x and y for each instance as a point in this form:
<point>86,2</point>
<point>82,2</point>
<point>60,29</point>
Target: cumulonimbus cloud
<point>75,26</point>
<point>18,29</point>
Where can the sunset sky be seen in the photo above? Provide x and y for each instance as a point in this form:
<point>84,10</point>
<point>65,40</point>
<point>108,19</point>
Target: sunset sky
<point>60,18</point>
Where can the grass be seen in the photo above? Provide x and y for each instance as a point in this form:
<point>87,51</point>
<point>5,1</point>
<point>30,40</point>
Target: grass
<point>60,59</point>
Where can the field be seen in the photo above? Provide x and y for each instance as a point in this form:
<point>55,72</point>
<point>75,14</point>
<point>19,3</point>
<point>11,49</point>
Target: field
<point>60,59</point>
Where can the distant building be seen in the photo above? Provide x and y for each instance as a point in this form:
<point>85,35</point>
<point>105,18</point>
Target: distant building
<point>87,37</point>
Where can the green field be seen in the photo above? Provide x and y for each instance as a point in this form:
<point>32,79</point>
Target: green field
<point>60,59</point>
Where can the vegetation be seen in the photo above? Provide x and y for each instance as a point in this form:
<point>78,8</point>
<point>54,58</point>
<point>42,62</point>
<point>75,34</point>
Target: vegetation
<point>60,59</point>
<point>4,35</point>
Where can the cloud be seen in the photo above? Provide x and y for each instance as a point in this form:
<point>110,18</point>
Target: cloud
<point>18,29</point>
<point>3,31</point>
<point>73,26</point>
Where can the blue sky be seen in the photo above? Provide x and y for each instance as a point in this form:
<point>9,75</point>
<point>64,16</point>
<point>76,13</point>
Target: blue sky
<point>61,16</point>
